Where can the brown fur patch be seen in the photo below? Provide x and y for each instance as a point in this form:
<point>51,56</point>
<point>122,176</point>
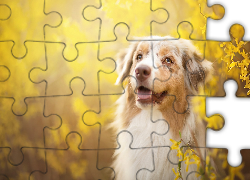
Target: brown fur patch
<point>163,51</point>
<point>195,71</point>
<point>176,121</point>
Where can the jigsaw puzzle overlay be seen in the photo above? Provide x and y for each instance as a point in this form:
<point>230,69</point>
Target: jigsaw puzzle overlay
<point>74,103</point>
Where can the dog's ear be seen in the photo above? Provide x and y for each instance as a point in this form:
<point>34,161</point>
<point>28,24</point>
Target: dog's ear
<point>124,62</point>
<point>198,70</point>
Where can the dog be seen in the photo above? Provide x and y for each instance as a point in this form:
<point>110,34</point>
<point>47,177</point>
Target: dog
<point>162,76</point>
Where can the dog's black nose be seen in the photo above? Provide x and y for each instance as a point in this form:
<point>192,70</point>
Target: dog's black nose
<point>142,72</point>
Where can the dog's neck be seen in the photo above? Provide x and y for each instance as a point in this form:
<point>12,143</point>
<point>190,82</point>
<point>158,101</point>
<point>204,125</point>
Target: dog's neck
<point>176,113</point>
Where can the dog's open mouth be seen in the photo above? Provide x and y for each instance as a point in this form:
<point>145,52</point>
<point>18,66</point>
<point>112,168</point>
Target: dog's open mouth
<point>145,95</point>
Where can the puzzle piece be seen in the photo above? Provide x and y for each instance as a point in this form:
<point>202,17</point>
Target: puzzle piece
<point>103,116</point>
<point>68,164</point>
<point>24,22</point>
<point>127,13</point>
<point>150,123</point>
<point>164,170</point>
<point>79,66</point>
<point>185,30</point>
<point>34,160</point>
<point>15,78</point>
<point>231,59</point>
<point>16,129</point>
<point>108,81</point>
<point>225,138</point>
<point>125,145</point>
<point>71,109</point>
<point>192,11</point>
<point>218,30</point>
<point>74,28</point>
<point>197,71</point>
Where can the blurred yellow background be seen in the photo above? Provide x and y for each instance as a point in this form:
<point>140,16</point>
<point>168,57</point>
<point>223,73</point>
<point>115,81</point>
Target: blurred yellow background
<point>57,76</point>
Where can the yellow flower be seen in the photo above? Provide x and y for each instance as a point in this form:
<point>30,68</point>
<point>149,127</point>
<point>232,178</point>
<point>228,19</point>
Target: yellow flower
<point>188,156</point>
<point>212,176</point>
<point>230,49</point>
<point>177,174</point>
<point>175,146</point>
<point>236,172</point>
<point>197,161</point>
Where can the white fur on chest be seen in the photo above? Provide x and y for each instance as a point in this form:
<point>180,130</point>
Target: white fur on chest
<point>144,125</point>
<point>129,161</point>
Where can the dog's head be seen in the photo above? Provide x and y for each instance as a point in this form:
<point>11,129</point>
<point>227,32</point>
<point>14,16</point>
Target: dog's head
<point>161,69</point>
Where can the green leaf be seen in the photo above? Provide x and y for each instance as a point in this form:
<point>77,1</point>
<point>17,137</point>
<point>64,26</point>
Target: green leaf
<point>180,133</point>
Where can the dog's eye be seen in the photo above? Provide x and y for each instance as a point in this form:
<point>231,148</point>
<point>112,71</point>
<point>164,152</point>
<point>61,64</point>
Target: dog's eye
<point>168,60</point>
<point>139,57</point>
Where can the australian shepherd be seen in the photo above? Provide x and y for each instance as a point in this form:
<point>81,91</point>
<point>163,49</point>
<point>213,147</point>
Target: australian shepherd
<point>162,76</point>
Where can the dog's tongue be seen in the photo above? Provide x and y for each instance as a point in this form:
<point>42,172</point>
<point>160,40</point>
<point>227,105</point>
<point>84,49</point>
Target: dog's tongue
<point>144,93</point>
